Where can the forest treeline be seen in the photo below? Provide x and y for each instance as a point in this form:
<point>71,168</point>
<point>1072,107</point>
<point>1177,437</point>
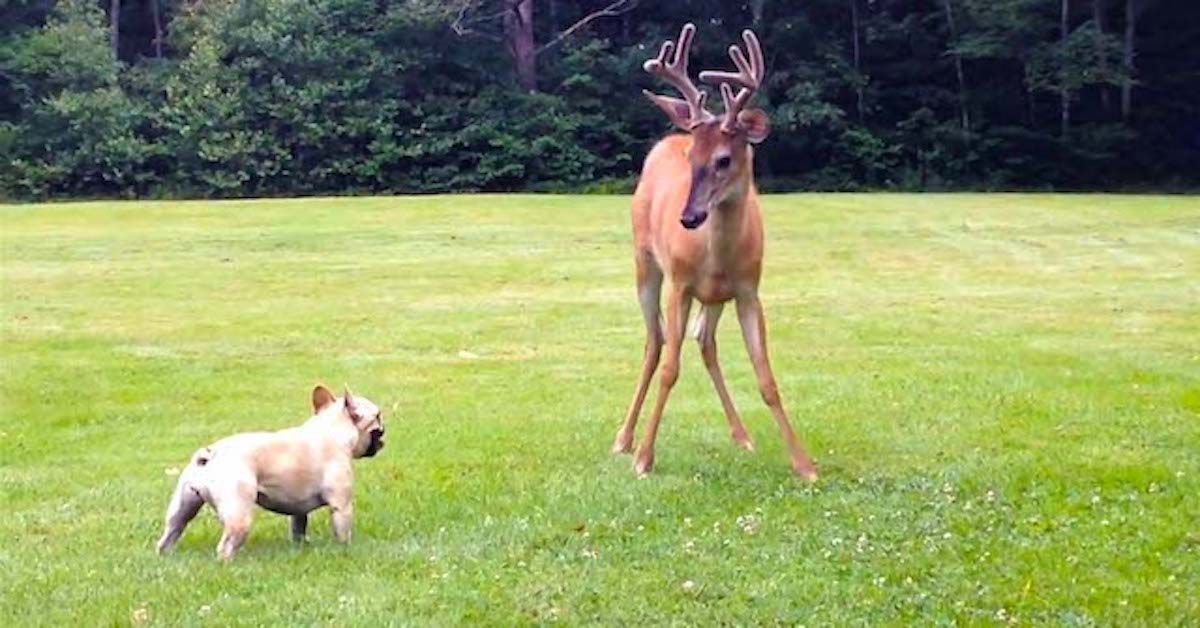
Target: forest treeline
<point>224,98</point>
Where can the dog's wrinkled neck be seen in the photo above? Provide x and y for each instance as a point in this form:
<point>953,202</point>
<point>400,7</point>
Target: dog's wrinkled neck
<point>333,419</point>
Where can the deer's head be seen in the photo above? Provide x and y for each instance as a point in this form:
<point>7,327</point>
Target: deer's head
<point>720,156</point>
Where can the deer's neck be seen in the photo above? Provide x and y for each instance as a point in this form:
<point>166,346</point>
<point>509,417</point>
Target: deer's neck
<point>729,221</point>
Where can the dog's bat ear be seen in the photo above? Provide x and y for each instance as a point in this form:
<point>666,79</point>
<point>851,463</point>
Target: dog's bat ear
<point>350,406</point>
<point>321,397</point>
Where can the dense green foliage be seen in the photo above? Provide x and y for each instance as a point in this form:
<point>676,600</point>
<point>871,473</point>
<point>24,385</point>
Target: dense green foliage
<point>274,97</point>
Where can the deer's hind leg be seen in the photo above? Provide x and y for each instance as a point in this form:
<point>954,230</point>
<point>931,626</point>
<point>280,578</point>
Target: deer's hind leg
<point>706,335</point>
<point>649,289</point>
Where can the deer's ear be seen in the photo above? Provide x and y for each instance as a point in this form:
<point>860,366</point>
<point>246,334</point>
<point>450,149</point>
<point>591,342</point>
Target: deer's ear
<point>321,397</point>
<point>676,109</point>
<point>755,124</point>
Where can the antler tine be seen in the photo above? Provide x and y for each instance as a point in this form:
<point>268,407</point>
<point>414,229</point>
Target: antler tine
<point>749,78</point>
<point>674,70</point>
<point>733,105</point>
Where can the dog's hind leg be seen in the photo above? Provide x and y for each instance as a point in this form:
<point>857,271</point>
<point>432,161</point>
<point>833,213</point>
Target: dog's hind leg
<point>233,498</point>
<point>185,503</point>
<point>237,528</point>
<point>299,527</point>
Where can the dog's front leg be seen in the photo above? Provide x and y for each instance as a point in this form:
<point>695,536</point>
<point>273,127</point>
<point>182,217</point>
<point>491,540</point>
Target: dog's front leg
<point>341,520</point>
<point>341,501</point>
<point>299,527</point>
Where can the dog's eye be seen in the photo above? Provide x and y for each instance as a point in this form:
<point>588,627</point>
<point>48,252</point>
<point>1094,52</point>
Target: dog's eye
<point>723,162</point>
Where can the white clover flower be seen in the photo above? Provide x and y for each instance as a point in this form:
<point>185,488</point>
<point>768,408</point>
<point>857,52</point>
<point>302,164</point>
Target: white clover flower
<point>749,523</point>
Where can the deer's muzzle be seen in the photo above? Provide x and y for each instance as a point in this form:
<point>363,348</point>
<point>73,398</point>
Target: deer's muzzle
<point>693,215</point>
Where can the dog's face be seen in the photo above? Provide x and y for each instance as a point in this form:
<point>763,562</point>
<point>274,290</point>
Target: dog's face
<point>362,413</point>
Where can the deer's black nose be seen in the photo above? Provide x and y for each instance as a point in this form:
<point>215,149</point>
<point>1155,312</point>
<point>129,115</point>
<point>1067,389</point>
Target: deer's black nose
<point>693,219</point>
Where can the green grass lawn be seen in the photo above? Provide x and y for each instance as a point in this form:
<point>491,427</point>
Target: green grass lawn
<point>1002,392</point>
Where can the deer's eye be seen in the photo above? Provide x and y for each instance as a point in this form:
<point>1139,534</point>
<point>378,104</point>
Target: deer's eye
<point>723,162</point>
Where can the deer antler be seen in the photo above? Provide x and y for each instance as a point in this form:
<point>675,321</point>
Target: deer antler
<point>675,72</point>
<point>749,77</point>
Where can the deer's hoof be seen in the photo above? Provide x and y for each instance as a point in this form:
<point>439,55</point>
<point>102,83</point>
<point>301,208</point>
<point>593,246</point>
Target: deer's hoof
<point>623,444</point>
<point>643,464</point>
<point>806,470</point>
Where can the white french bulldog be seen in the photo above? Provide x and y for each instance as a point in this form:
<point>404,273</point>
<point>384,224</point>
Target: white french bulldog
<point>291,472</point>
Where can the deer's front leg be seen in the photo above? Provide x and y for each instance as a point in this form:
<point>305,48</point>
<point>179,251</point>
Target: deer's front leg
<point>754,332</point>
<point>649,283</point>
<point>679,303</point>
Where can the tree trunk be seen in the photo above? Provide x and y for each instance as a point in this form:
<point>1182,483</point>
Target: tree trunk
<point>158,33</point>
<point>552,5</point>
<point>858,89</point>
<point>1030,109</point>
<point>1127,59</point>
<point>114,19</point>
<point>964,114</point>
<point>1098,17</point>
<point>518,37</point>
<point>1065,93</point>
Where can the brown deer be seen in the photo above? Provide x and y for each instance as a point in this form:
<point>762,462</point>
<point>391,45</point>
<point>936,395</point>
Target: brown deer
<point>696,220</point>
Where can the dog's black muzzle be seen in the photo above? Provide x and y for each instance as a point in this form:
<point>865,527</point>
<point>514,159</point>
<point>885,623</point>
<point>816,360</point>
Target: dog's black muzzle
<point>375,445</point>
